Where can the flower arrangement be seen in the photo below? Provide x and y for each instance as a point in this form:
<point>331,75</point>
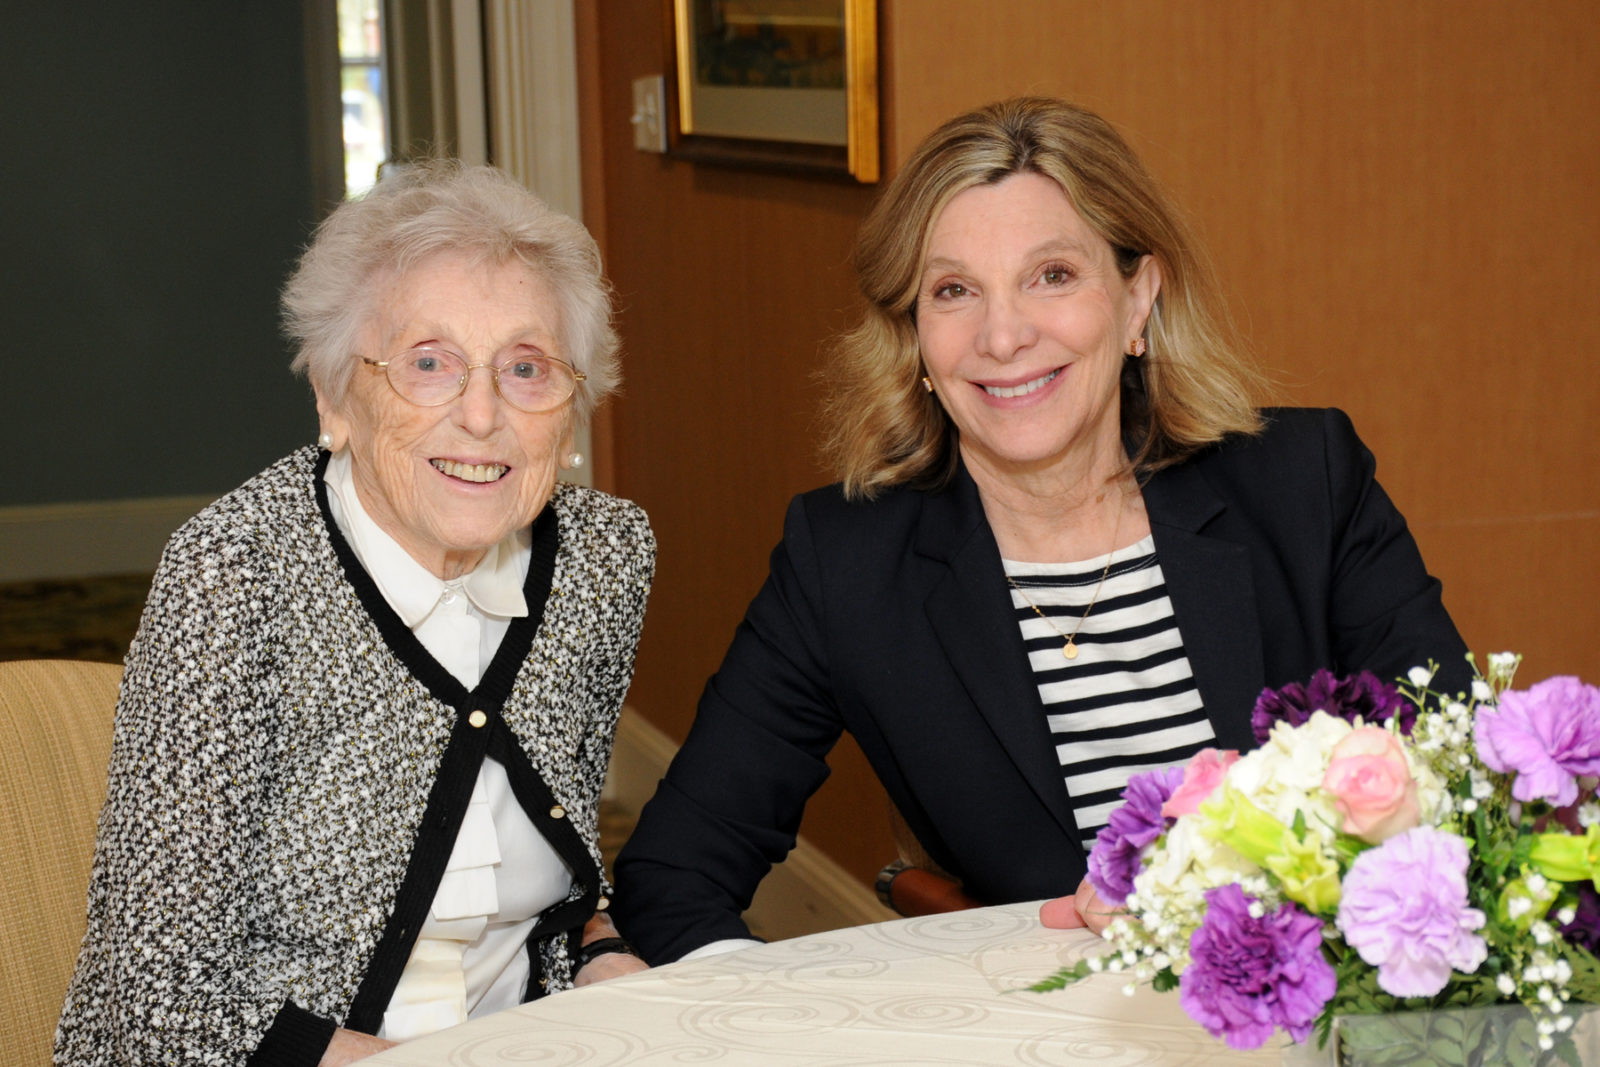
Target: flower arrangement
<point>1385,849</point>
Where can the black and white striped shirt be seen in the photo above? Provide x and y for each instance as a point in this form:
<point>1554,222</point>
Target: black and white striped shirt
<point>1128,702</point>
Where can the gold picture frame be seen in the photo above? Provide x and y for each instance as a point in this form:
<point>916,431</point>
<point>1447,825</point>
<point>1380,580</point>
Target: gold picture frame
<point>791,84</point>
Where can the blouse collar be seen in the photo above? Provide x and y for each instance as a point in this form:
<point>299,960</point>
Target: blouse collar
<point>494,587</point>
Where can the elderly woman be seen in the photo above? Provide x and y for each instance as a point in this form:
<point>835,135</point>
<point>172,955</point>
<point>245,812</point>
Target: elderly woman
<point>1066,547</point>
<point>365,722</point>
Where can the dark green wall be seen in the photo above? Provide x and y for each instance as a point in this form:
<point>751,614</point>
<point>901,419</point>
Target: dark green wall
<point>156,189</point>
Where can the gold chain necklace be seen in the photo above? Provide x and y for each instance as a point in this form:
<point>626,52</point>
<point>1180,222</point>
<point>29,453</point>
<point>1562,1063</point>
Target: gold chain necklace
<point>1070,649</point>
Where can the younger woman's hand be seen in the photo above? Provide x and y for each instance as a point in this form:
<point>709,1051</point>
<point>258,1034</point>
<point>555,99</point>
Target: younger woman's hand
<point>1083,909</point>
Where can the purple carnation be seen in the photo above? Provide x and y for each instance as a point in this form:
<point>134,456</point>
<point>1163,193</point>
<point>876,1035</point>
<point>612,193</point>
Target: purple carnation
<point>1404,908</point>
<point>1584,929</point>
<point>1247,976</point>
<point>1358,695</point>
<point>1114,859</point>
<point>1548,736</point>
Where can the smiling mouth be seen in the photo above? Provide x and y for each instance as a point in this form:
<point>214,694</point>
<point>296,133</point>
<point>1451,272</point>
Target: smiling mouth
<point>469,472</point>
<point>1008,391</point>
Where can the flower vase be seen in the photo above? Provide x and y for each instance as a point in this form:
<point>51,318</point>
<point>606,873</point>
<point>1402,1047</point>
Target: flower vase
<point>1463,1037</point>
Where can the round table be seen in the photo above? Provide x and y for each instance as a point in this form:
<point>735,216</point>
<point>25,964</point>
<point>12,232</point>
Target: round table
<point>934,990</point>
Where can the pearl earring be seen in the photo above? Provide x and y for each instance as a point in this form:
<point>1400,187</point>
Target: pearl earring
<point>575,460</point>
<point>325,441</point>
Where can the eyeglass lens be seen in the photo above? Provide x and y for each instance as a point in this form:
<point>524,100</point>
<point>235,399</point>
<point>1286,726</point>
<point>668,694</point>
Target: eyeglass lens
<point>432,376</point>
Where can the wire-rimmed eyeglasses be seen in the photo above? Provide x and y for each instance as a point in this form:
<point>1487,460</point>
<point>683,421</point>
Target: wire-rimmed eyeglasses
<point>431,377</point>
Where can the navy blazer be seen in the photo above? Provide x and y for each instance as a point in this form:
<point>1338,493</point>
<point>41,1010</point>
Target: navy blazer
<point>892,619</point>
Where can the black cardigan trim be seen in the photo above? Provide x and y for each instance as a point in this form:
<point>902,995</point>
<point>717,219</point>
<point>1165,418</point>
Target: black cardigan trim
<point>296,1038</point>
<point>463,755</point>
<point>495,685</point>
<point>540,803</point>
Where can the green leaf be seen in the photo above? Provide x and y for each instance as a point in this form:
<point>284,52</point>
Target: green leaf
<point>1061,979</point>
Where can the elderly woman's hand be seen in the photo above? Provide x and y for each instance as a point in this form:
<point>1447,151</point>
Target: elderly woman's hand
<point>1083,909</point>
<point>348,1046</point>
<point>611,965</point>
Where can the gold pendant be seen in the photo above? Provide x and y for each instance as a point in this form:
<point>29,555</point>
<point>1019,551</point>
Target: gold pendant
<point>1070,649</point>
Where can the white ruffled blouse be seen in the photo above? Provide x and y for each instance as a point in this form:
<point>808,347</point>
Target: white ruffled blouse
<point>470,958</point>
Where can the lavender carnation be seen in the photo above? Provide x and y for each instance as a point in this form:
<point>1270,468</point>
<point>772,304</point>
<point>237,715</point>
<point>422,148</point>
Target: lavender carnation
<point>1115,858</point>
<point>1584,929</point>
<point>1360,695</point>
<point>1405,910</point>
<point>1247,976</point>
<point>1548,736</point>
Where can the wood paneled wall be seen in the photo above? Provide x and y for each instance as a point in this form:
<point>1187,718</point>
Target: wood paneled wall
<point>728,282</point>
<point>1398,195</point>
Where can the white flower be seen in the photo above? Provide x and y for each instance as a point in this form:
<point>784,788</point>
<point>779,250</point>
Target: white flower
<point>1420,676</point>
<point>1502,666</point>
<point>1433,799</point>
<point>1481,691</point>
<point>1504,983</point>
<point>1186,865</point>
<point>1284,776</point>
<point>1588,814</point>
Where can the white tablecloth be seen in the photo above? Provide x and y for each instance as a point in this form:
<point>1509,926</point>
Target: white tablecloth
<point>916,991</point>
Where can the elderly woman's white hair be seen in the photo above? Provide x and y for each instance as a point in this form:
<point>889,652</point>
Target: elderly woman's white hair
<point>436,206</point>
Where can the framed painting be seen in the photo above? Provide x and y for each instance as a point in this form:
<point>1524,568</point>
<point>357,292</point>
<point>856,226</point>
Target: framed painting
<point>784,83</point>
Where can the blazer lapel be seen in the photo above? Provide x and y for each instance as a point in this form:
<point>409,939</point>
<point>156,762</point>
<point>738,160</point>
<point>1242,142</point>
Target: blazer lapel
<point>971,616</point>
<point>1213,598</point>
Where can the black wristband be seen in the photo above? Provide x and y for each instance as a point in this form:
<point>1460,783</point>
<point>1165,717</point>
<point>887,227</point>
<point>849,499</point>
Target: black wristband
<point>604,946</point>
<point>885,881</point>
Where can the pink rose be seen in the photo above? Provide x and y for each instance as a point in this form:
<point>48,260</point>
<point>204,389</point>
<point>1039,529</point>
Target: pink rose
<point>1203,774</point>
<point>1371,782</point>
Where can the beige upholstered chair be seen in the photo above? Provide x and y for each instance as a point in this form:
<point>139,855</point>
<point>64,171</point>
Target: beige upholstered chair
<point>55,737</point>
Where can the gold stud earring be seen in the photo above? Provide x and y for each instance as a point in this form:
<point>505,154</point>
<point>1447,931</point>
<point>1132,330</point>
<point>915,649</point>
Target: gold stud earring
<point>1139,347</point>
<point>927,383</point>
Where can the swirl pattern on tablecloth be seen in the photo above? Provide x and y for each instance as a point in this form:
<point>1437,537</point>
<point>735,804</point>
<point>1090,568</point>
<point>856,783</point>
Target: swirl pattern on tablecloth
<point>940,990</point>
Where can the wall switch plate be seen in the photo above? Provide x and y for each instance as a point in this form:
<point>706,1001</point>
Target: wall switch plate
<point>649,114</point>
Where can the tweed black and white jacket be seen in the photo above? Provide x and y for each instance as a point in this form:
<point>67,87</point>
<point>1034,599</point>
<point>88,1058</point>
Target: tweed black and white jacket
<point>290,769</point>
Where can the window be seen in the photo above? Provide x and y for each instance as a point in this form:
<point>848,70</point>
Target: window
<point>363,93</point>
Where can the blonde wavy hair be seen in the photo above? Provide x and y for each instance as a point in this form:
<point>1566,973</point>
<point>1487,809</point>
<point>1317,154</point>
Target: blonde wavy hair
<point>1191,389</point>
